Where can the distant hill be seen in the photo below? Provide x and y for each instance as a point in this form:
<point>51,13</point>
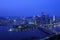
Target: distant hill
<point>2,18</point>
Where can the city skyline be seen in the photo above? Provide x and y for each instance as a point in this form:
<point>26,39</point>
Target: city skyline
<point>29,19</point>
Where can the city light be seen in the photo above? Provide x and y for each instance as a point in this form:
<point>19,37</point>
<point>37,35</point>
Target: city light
<point>10,29</point>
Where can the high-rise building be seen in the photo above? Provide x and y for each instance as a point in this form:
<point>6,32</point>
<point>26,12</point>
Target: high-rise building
<point>45,19</point>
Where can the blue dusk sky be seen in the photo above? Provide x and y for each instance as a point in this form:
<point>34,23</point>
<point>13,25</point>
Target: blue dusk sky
<point>29,7</point>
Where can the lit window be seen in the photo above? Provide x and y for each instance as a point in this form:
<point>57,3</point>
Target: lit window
<point>19,26</point>
<point>30,23</point>
<point>14,20</point>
